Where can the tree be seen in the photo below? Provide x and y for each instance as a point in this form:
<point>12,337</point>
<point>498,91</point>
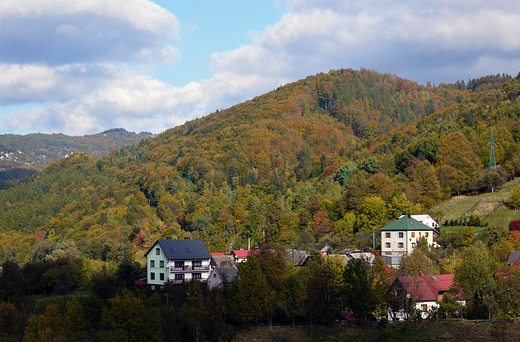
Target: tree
<point>458,152</point>
<point>74,322</point>
<point>424,187</point>
<point>474,273</point>
<point>400,205</point>
<point>195,307</point>
<point>12,283</point>
<point>358,292</point>
<point>507,293</point>
<point>11,322</point>
<point>415,263</point>
<point>324,290</point>
<point>514,199</point>
<point>250,290</point>
<point>131,318</point>
<point>44,327</point>
<point>294,295</point>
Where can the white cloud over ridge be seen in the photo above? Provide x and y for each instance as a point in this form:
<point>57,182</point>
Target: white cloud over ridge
<point>79,70</point>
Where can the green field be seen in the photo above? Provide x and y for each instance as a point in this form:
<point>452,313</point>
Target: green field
<point>490,207</point>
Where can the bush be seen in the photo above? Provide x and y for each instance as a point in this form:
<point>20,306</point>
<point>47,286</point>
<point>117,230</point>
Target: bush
<point>514,226</point>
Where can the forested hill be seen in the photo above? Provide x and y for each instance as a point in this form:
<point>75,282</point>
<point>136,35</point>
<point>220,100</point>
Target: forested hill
<point>324,159</point>
<point>22,154</point>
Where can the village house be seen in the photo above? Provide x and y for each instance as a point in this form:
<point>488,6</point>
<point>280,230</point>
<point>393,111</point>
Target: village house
<point>241,255</point>
<point>222,277</point>
<point>177,261</point>
<point>422,292</point>
<point>400,237</point>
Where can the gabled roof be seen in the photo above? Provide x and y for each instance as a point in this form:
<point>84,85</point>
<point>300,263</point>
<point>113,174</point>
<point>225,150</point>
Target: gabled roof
<point>426,287</point>
<point>406,223</point>
<point>226,274</point>
<point>514,256</point>
<point>243,254</point>
<point>182,249</point>
<point>222,260</point>
<point>297,257</point>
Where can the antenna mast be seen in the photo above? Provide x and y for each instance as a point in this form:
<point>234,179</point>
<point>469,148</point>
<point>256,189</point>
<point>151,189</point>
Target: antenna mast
<point>492,161</point>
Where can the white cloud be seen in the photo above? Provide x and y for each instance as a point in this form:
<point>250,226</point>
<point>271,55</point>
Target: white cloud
<point>87,88</point>
<point>85,31</point>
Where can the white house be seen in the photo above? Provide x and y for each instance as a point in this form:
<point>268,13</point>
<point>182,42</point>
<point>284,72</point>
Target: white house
<point>425,219</point>
<point>401,236</point>
<point>177,261</point>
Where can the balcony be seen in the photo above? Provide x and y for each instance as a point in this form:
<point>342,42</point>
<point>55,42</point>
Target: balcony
<point>190,269</point>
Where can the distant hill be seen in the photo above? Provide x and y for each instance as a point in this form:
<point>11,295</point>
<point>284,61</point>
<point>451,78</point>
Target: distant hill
<point>22,155</point>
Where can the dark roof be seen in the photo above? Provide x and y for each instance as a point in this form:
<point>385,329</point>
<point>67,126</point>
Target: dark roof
<point>226,274</point>
<point>223,260</point>
<point>299,258</point>
<point>183,249</point>
<point>406,223</point>
<point>514,256</point>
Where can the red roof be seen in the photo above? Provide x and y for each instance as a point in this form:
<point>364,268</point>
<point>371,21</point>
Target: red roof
<point>242,254</point>
<point>427,287</point>
<point>139,282</point>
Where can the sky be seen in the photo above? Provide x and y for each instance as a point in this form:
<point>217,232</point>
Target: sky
<point>84,66</point>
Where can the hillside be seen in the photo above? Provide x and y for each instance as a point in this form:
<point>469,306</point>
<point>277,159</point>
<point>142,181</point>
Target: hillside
<point>489,206</point>
<point>324,159</point>
<point>22,155</point>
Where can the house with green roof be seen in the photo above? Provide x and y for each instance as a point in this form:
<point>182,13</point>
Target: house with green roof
<point>400,237</point>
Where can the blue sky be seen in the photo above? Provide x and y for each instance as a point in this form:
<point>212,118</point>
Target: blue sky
<point>83,66</point>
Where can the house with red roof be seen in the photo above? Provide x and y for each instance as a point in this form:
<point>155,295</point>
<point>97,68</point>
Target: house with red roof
<point>241,255</point>
<point>423,292</point>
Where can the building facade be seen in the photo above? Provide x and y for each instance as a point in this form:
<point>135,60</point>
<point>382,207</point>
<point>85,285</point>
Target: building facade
<point>177,261</point>
<point>401,236</point>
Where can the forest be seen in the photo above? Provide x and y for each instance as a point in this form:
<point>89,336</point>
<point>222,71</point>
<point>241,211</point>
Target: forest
<point>327,160</point>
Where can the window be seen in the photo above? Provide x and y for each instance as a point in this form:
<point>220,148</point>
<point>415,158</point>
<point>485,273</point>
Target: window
<point>179,264</point>
<point>197,263</point>
<point>214,275</point>
<point>161,264</point>
<point>152,276</point>
<point>388,245</point>
<point>424,307</point>
<point>426,234</point>
<point>196,275</point>
<point>152,263</point>
<point>413,244</point>
<point>413,234</point>
<point>179,276</point>
<point>157,251</point>
<point>161,276</point>
<point>387,235</point>
<point>400,245</point>
<point>401,234</point>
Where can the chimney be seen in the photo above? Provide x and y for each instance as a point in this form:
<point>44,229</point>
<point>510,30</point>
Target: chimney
<point>186,238</point>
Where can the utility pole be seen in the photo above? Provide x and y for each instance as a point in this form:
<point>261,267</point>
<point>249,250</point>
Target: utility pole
<point>492,161</point>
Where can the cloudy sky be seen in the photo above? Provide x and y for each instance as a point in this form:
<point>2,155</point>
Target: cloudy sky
<point>83,66</point>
